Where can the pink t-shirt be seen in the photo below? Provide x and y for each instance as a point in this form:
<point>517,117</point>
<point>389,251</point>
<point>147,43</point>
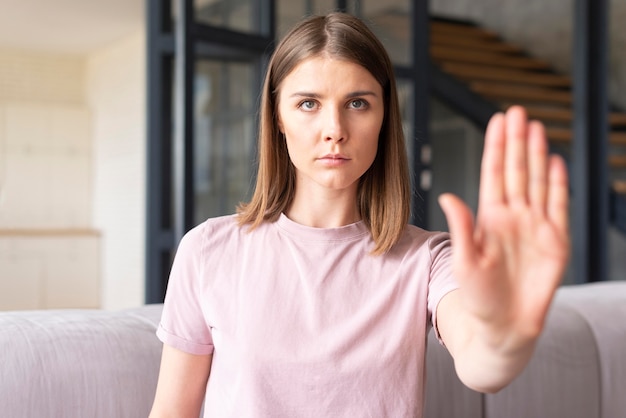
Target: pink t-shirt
<point>304,322</point>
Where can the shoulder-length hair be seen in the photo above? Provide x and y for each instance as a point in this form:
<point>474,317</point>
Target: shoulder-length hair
<point>383,192</point>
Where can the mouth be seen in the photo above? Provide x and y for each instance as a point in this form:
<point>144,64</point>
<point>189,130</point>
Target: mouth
<point>333,160</point>
<point>334,157</point>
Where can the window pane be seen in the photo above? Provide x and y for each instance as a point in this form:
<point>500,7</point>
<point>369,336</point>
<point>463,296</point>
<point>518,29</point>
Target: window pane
<point>456,152</point>
<point>224,136</point>
<point>238,15</point>
<point>291,12</point>
<point>390,21</point>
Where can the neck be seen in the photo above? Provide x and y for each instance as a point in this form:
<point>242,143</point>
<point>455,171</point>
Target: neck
<point>326,210</point>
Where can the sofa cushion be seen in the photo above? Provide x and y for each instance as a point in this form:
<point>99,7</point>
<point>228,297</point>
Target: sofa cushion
<point>446,396</point>
<point>602,306</point>
<point>79,363</point>
<point>563,377</point>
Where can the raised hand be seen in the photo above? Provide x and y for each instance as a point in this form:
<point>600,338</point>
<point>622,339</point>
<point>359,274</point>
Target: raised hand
<point>510,261</point>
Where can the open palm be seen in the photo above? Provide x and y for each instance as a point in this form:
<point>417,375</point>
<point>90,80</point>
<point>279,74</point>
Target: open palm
<point>510,260</point>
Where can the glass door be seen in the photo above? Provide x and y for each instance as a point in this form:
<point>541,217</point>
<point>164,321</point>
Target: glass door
<point>224,135</point>
<point>205,65</point>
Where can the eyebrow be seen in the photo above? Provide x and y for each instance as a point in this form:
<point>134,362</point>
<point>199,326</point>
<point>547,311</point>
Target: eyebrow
<point>350,95</point>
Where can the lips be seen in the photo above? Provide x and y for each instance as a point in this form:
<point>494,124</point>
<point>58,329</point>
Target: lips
<point>334,157</point>
<point>333,160</point>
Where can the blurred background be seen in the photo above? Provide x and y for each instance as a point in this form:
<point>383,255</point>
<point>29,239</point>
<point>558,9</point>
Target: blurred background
<point>88,159</point>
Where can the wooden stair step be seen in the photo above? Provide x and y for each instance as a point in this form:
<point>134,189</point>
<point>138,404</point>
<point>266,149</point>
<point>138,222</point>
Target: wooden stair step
<point>565,115</point>
<point>443,54</point>
<point>559,134</point>
<point>617,161</point>
<point>513,92</point>
<point>617,138</point>
<point>565,135</point>
<point>617,118</point>
<point>488,73</point>
<point>547,115</point>
<point>461,29</point>
<point>480,44</point>
<point>619,186</point>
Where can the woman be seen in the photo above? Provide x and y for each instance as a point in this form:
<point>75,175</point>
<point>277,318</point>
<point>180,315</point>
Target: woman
<point>316,298</point>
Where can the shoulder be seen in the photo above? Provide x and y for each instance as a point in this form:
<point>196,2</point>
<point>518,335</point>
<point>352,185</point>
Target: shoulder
<point>415,238</point>
<point>223,233</point>
<point>211,231</point>
<point>418,246</point>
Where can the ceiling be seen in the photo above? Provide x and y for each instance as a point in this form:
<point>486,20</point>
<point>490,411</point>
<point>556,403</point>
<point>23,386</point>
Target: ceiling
<point>67,26</point>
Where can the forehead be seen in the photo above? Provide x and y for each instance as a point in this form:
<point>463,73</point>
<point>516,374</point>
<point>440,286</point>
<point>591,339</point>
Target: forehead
<point>328,73</point>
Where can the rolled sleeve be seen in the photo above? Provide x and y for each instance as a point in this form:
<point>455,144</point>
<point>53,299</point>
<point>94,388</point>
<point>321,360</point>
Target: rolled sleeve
<point>442,280</point>
<point>183,323</point>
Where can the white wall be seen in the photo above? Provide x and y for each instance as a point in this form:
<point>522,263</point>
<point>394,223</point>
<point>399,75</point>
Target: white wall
<point>116,96</point>
<point>49,252</point>
<point>72,177</point>
<point>39,77</point>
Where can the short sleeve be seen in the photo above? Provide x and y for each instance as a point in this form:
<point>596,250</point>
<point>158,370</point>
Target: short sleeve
<point>442,280</point>
<point>183,324</point>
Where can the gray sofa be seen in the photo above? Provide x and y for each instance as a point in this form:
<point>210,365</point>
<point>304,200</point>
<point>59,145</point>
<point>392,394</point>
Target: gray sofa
<point>90,363</point>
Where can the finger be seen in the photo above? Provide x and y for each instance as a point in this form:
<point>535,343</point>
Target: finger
<point>515,160</point>
<point>461,225</point>
<point>492,165</point>
<point>537,166</point>
<point>558,194</point>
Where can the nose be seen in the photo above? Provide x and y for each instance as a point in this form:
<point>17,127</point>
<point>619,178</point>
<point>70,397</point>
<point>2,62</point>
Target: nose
<point>334,125</point>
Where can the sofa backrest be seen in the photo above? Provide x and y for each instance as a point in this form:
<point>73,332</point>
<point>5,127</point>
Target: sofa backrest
<point>98,364</point>
<point>78,363</point>
<point>578,369</point>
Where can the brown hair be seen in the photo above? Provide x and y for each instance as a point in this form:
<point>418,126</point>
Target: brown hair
<point>383,193</point>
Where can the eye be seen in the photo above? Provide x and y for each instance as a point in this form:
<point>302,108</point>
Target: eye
<point>358,104</point>
<point>307,105</point>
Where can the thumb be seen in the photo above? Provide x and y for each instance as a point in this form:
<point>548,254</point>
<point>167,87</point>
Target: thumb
<point>461,224</point>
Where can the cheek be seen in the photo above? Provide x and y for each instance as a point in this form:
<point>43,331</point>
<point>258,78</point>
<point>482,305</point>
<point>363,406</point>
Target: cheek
<point>286,121</point>
<point>293,149</point>
<point>373,152</point>
<point>374,138</point>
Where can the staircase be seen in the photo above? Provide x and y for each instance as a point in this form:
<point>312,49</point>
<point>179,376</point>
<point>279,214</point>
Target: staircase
<point>499,74</point>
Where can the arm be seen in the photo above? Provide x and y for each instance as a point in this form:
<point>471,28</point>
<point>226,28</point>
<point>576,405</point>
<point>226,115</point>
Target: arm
<point>181,385</point>
<point>510,260</point>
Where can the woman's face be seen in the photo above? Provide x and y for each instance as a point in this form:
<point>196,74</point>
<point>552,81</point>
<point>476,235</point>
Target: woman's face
<point>331,112</point>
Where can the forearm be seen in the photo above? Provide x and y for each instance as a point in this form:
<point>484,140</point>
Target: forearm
<point>487,356</point>
<point>487,367</point>
<point>181,385</point>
